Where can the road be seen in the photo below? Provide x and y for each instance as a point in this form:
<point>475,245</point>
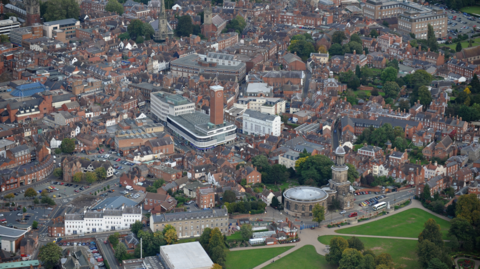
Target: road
<point>107,252</point>
<point>308,76</point>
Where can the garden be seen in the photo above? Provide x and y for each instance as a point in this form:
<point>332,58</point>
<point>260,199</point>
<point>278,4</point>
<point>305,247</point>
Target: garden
<point>250,258</point>
<point>466,263</point>
<point>408,223</point>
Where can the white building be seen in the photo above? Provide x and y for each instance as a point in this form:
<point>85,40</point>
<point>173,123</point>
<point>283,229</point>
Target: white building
<point>102,221</point>
<point>7,25</point>
<point>257,123</point>
<point>266,105</point>
<point>163,104</point>
<point>289,159</point>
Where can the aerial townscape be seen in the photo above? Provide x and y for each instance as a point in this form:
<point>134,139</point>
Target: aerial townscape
<point>239,134</point>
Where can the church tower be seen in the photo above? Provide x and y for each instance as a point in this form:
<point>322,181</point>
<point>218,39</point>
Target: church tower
<point>207,20</point>
<point>164,29</point>
<point>339,182</point>
<point>33,12</point>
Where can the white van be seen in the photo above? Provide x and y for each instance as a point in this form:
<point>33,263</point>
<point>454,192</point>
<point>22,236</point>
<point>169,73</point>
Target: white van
<point>128,187</point>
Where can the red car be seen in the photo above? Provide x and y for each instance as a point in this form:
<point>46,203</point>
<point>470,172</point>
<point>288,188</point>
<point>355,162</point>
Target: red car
<point>95,251</point>
<point>62,183</point>
<point>100,260</point>
<point>76,190</point>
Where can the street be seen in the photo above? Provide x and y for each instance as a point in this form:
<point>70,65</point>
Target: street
<point>107,252</point>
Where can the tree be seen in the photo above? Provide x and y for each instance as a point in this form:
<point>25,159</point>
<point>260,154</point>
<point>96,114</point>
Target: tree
<point>58,150</point>
<point>435,263</point>
<point>302,46</point>
<point>368,262</point>
<point>318,213</point>
<point>24,210</point>
<point>90,177</point>
<point>356,243</point>
<point>30,192</point>
<point>9,196</point>
<point>463,231</point>
<point>124,36</point>
<point>236,25</point>
<point>354,46</point>
<point>420,78</point>
<point>170,234</point>
<point>475,83</point>
<point>120,251</point>
<point>114,6</point>
<point>425,96</point>
<point>216,247</point>
<point>351,258</point>
<point>431,232</point>
<point>50,254</point>
<point>358,73</point>
<point>468,208</point>
<point>101,173</point>
<point>374,33</point>
<point>391,89</point>
<point>426,195</point>
<point>318,168</point>
<point>136,28</point>
<point>385,259</point>
<point>58,172</point>
<point>68,145</point>
<point>137,226</point>
<point>389,74</point>
<point>352,174</point>
<point>184,26</point>
<point>426,251</point>
<point>113,239</point>
<point>337,246</point>
<point>229,196</point>
<point>34,224</point>
<point>338,37</point>
<point>246,231</point>
<point>205,238</point>
<point>431,39</point>
<point>393,63</point>
<point>77,177</point>
<point>322,49</point>
<point>404,105</point>
<point>275,203</point>
<point>47,200</point>
<point>216,266</point>
<point>36,201</point>
<point>385,23</point>
<point>356,38</point>
<point>458,48</point>
<point>336,49</point>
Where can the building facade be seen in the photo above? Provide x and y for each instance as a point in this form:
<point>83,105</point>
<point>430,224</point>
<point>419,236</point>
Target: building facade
<point>163,104</point>
<point>257,123</point>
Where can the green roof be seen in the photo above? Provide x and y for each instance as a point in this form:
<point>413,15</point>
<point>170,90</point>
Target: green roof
<point>19,264</point>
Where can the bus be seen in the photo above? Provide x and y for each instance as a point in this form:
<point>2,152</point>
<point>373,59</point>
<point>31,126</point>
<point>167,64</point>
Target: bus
<point>379,206</point>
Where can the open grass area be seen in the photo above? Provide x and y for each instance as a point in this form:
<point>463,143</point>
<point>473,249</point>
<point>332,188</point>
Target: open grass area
<point>408,223</point>
<point>186,240</point>
<point>283,186</point>
<point>305,257</point>
<point>472,9</point>
<point>235,236</point>
<point>251,258</point>
<point>476,42</point>
<point>368,93</point>
<point>402,251</point>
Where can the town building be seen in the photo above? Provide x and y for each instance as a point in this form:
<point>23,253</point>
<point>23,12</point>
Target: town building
<point>68,26</point>
<point>257,123</point>
<point>163,104</point>
<point>6,26</point>
<point>289,159</point>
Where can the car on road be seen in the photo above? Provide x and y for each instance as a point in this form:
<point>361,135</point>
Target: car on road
<point>76,190</point>
<point>100,264</point>
<point>353,214</point>
<point>54,196</point>
<point>105,242</point>
<point>94,251</point>
<point>49,208</point>
<point>343,212</point>
<point>100,260</point>
<point>19,214</point>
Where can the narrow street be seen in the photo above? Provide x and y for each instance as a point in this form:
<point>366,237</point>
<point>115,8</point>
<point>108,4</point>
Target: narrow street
<point>107,252</point>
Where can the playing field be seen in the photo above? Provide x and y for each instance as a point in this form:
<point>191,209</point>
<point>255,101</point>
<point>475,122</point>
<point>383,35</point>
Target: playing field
<point>473,9</point>
<point>250,258</point>
<point>305,257</point>
<point>476,42</point>
<point>402,251</point>
<point>408,223</point>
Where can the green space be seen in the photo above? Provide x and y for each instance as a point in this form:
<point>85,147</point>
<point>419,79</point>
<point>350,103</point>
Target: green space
<point>408,223</point>
<point>186,240</point>
<point>402,251</point>
<point>475,43</point>
<point>283,186</point>
<point>305,257</point>
<point>472,9</point>
<point>235,236</point>
<point>251,258</point>
<point>368,93</point>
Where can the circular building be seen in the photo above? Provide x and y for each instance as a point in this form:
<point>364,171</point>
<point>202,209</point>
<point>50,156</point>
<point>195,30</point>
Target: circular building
<point>299,201</point>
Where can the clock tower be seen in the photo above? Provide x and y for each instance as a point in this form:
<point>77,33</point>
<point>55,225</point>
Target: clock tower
<point>216,104</point>
<point>33,12</point>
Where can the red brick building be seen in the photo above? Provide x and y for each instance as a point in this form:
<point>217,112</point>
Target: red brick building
<point>205,197</point>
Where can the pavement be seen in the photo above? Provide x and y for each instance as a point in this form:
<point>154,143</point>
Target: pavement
<point>310,237</point>
<point>459,25</point>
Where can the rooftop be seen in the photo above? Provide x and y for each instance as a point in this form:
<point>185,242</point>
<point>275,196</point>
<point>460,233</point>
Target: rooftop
<point>186,256</point>
<point>305,194</point>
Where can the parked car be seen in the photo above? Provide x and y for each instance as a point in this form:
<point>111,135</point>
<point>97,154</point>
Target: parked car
<point>353,214</point>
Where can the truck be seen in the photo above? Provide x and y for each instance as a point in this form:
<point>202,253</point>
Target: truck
<point>294,120</point>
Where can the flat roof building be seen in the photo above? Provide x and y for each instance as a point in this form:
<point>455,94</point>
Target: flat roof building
<point>6,26</point>
<point>186,256</point>
<point>164,104</point>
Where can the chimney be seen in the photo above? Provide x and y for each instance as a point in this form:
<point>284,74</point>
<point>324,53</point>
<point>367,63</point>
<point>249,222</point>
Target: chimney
<point>354,52</point>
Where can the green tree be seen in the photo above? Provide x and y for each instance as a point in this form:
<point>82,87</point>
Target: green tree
<point>101,173</point>
<point>458,48</point>
<point>229,196</point>
<point>425,96</point>
<point>389,74</point>
<point>337,246</point>
<point>184,26</point>
<point>356,243</point>
<point>113,239</point>
<point>34,224</point>
<point>358,73</point>
<point>90,177</point>
<point>338,37</point>
<point>385,259</point>
<point>351,258</point>
<point>426,194</point>
<point>124,36</point>
<point>58,172</point>
<point>50,254</point>
<point>374,33</point>
<point>4,38</point>
<point>302,46</point>
<point>246,231</point>
<point>136,28</point>
<point>216,247</point>
<point>352,174</point>
<point>68,145</point>
<point>435,263</point>
<point>368,262</point>
<point>336,49</point>
<point>354,46</point>
<point>36,201</point>
<point>54,11</point>
<point>205,238</point>
<point>318,213</point>
<point>468,208</point>
<point>137,226</point>
<point>236,25</point>
<point>426,251</point>
<point>431,232</point>
<point>170,234</point>
<point>47,200</point>
<point>58,151</point>
<point>30,192</point>
<point>393,63</point>
<point>275,203</point>
<point>77,177</point>
<point>431,39</point>
<point>391,89</point>
<point>420,78</point>
<point>114,6</point>
<point>356,38</point>
<point>475,83</point>
<point>120,251</point>
<point>463,231</point>
<point>317,168</point>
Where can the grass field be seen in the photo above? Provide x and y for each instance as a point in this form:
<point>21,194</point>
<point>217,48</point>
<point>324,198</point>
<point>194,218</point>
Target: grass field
<point>476,42</point>
<point>251,258</point>
<point>402,251</point>
<point>305,257</point>
<point>473,9</point>
<point>368,93</point>
<point>235,236</point>
<point>408,223</point>
<point>285,185</point>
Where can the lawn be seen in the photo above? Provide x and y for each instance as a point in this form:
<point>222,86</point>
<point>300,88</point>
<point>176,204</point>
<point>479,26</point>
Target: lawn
<point>285,185</point>
<point>408,223</point>
<point>475,43</point>
<point>402,251</point>
<point>235,236</point>
<point>305,257</point>
<point>251,258</point>
<point>368,93</point>
<point>474,10</point>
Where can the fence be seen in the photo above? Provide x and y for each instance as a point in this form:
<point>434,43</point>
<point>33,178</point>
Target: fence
<point>307,226</point>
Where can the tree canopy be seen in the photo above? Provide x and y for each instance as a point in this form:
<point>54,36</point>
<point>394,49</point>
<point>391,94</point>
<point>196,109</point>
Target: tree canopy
<point>137,28</point>
<point>184,26</point>
<point>389,74</point>
<point>302,45</point>
<point>338,37</point>
<point>30,192</point>
<point>61,9</point>
<point>318,168</point>
<point>50,254</point>
<point>114,6</point>
<point>68,145</point>
<point>236,25</point>
<point>246,231</point>
<point>337,246</point>
<point>318,213</point>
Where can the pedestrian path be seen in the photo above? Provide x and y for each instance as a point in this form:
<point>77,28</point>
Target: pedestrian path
<point>310,237</point>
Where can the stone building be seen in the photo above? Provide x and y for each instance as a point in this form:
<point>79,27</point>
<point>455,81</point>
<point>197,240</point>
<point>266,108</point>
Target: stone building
<point>339,185</point>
